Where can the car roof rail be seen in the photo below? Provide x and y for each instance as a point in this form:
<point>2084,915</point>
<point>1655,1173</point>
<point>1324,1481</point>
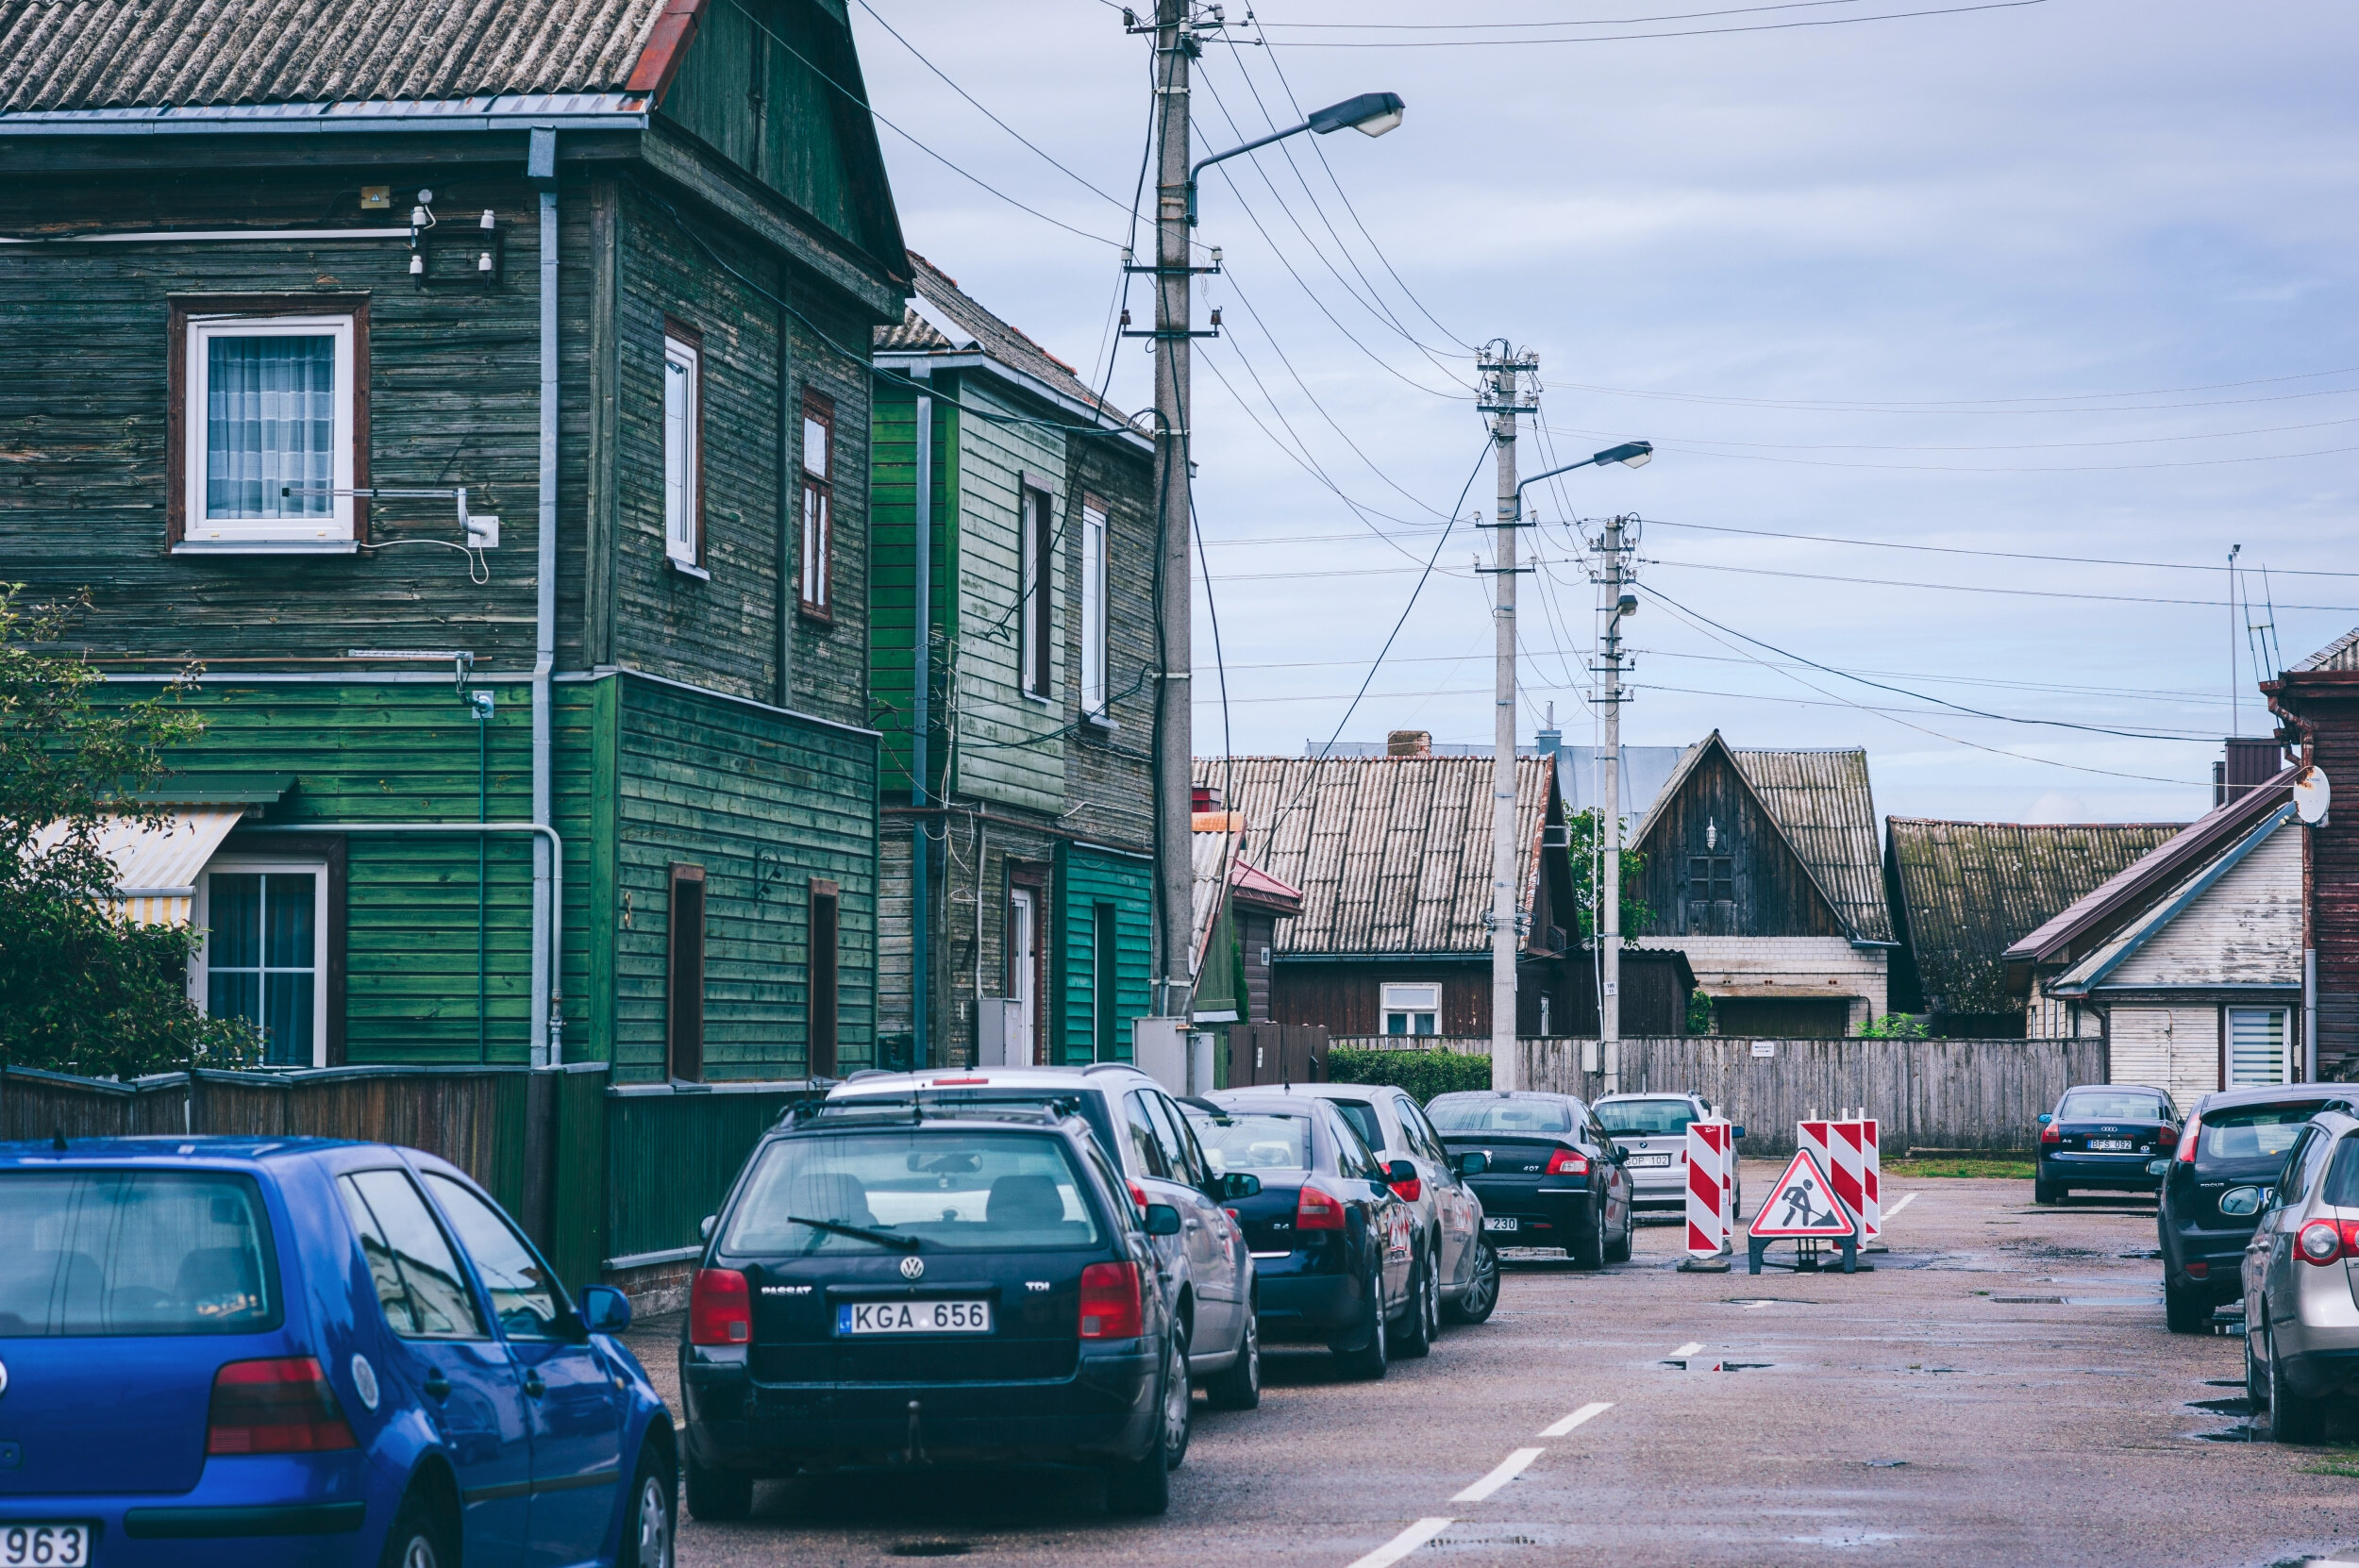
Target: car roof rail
<point>1111,1067</point>
<point>868,1072</point>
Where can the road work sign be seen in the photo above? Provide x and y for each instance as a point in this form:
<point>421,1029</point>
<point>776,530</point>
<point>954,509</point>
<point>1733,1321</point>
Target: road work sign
<point>1802,1207</point>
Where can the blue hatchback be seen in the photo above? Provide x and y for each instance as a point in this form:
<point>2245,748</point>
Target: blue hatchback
<point>260,1352</point>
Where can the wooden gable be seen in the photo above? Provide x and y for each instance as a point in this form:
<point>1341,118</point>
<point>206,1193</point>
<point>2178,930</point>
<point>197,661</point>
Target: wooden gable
<point>1717,863</point>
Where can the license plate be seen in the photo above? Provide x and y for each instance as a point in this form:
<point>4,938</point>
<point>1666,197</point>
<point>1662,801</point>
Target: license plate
<point>2111,1146</point>
<point>1650,1160</point>
<point>47,1545</point>
<point>1490,1224</point>
<point>912,1317</point>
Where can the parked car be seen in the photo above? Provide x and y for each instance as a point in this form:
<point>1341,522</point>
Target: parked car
<point>1552,1176</point>
<point>1204,1268</point>
<point>257,1351</point>
<point>2105,1135</point>
<point>1653,1130</point>
<point>1459,1267</point>
<point>2227,1158</point>
<point>889,1285</point>
<point>2301,1278</point>
<point>1334,1246</point>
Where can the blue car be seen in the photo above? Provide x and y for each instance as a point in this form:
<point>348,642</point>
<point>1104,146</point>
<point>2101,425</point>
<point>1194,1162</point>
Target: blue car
<point>297,1351</point>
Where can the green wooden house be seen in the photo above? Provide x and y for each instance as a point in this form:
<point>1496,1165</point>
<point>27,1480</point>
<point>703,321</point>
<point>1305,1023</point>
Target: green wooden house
<point>1017,824</point>
<point>481,393</point>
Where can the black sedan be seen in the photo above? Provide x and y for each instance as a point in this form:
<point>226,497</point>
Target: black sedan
<point>2103,1135</point>
<point>1552,1176</point>
<point>1333,1246</point>
<point>885,1288</point>
<point>2228,1160</point>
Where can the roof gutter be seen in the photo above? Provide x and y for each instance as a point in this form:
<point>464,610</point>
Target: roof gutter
<point>504,112</point>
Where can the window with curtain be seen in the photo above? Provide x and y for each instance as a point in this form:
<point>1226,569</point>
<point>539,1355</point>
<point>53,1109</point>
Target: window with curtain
<point>818,584</point>
<point>264,958</point>
<point>268,430</point>
<point>1093,576</point>
<point>2260,1046</point>
<point>683,452</point>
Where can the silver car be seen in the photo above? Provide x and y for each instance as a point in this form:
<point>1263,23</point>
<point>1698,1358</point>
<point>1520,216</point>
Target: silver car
<point>2302,1281</point>
<point>1653,1130</point>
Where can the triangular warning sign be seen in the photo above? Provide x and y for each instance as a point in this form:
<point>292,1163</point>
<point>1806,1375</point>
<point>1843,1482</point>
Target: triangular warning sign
<point>1803,1204</point>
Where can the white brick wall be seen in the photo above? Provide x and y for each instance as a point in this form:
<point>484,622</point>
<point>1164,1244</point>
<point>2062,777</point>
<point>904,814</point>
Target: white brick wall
<point>1799,962</point>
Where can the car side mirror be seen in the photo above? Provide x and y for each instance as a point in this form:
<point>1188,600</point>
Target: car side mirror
<point>604,1310</point>
<point>1617,1153</point>
<point>2158,1167</point>
<point>1472,1163</point>
<point>1161,1220</point>
<point>1238,1184</point>
<point>2045,1118</point>
<point>704,1228</point>
<point>2240,1200</point>
<point>1399,1171</point>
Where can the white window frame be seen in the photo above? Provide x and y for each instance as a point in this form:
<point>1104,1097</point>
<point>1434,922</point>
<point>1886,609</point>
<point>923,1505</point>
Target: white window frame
<point>682,464</point>
<point>1412,1002</point>
<point>199,974</point>
<point>1093,607</point>
<point>332,533</point>
<point>2284,1045</point>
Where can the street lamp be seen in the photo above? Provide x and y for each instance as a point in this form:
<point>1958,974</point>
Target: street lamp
<point>1630,454</point>
<point>1370,114</point>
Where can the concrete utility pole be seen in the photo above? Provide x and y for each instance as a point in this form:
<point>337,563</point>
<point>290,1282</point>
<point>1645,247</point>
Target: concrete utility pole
<point>1504,400</point>
<point>1175,46</point>
<point>1619,603</point>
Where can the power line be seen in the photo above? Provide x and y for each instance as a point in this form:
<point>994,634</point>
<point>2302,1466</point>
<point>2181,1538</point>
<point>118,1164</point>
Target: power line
<point>1559,22</point>
<point>1968,468</point>
<point>1691,443</point>
<point>1972,588</point>
<point>1962,550</point>
<point>1996,405</point>
<point>1626,38</point>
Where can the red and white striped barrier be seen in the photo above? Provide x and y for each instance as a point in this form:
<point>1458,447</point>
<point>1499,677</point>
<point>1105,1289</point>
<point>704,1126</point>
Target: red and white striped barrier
<point>1847,1151</point>
<point>1710,1188</point>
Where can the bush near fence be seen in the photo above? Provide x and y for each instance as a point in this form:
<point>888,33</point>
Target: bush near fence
<point>1424,1074</point>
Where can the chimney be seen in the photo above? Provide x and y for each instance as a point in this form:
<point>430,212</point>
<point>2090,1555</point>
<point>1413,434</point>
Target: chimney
<point>2251,761</point>
<point>1549,738</point>
<point>1409,743</point>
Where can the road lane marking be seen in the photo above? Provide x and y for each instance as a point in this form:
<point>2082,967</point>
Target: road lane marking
<point>1585,1413</point>
<point>1510,1467</point>
<point>1897,1206</point>
<point>1405,1543</point>
<point>1688,1349</point>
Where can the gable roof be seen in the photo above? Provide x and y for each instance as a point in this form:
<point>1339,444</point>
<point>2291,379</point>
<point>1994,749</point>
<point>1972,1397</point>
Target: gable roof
<point>133,54</point>
<point>2341,654</point>
<point>2091,971</point>
<point>1393,853</point>
<point>1966,890</point>
<point>2097,913</point>
<point>1215,843</point>
<point>1821,802</point>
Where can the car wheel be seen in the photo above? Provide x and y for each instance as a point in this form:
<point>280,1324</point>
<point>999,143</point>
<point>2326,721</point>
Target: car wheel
<point>2187,1312</point>
<point>2292,1418</point>
<point>2048,1191</point>
<point>420,1538</point>
<point>1240,1387</point>
<point>1179,1401</point>
<point>1589,1250</point>
<point>1369,1361</point>
<point>1482,1289</point>
<point>647,1532</point>
<point>1414,1337</point>
<point>1143,1486</point>
<point>2257,1383</point>
<point>1619,1251</point>
<point>718,1495</point>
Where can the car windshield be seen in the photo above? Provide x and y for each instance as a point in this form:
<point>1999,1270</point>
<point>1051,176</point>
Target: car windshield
<point>2251,1131</point>
<point>1362,1115</point>
<point>1489,1113</point>
<point>2110,1105</point>
<point>134,1252</point>
<point>1253,1141</point>
<point>945,1188</point>
<point>1646,1118</point>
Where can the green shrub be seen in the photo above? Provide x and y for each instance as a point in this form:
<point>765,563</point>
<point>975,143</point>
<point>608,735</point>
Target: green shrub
<point>1424,1074</point>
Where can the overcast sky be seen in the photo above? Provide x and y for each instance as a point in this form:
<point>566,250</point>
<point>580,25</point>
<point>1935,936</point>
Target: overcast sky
<point>2062,278</point>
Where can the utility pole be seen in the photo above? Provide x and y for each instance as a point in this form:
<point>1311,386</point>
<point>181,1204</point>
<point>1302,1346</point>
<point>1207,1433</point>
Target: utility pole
<point>1619,603</point>
<point>1175,46</point>
<point>2236,709</point>
<point>1504,399</point>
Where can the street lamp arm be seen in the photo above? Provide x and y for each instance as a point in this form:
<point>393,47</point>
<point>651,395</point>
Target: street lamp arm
<point>1371,113</point>
<point>1204,163</point>
<point>1632,454</point>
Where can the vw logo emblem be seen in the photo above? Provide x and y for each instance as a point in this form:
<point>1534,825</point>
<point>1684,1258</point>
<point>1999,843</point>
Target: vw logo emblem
<point>912,1267</point>
<point>4,1376</point>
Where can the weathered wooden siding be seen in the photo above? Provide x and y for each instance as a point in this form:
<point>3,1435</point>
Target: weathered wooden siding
<point>1087,877</point>
<point>1347,997</point>
<point>2244,930</point>
<point>893,566</point>
<point>764,802</point>
<point>675,1155</point>
<point>2176,1048</point>
<point>1110,774</point>
<point>1775,896</point>
<point>1003,749</point>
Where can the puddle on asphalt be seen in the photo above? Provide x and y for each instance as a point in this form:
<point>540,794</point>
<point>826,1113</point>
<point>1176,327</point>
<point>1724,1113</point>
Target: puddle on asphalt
<point>2239,1406</point>
<point>1887,1464</point>
<point>2113,1301</point>
<point>928,1548</point>
<point>1698,1364</point>
<point>2242,1431</point>
<point>2223,1382</point>
<point>1839,1539</point>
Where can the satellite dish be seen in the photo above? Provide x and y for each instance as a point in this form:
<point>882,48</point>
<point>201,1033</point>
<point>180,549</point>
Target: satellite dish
<point>2312,795</point>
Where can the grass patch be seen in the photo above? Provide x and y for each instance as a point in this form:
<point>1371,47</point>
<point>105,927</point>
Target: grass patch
<point>2002,1166</point>
<point>2345,1464</point>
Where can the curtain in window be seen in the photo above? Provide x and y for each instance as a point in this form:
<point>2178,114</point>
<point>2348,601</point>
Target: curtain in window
<point>261,959</point>
<point>270,424</point>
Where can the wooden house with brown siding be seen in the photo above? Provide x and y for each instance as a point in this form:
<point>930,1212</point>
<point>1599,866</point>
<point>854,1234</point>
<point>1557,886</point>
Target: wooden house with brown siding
<point>2319,702</point>
<point>479,392</point>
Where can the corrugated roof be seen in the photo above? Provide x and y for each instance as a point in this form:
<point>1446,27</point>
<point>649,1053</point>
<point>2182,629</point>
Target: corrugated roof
<point>1969,888</point>
<point>1393,855</point>
<point>2341,654</point>
<point>947,313</point>
<point>118,54</point>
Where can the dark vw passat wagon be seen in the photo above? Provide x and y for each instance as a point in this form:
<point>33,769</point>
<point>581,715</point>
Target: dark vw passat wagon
<point>891,1288</point>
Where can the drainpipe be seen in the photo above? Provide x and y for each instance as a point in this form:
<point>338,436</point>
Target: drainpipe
<point>921,836</point>
<point>548,1049</point>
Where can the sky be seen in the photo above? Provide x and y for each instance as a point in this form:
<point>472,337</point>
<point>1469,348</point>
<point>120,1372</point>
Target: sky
<point>2071,277</point>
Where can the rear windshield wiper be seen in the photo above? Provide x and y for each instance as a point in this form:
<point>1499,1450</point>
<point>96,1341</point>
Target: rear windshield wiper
<point>882,1238</point>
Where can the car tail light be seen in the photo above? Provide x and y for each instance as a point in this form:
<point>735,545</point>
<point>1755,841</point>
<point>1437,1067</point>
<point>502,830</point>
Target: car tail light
<point>1138,1195</point>
<point>2321,1241</point>
<point>2199,1268</point>
<point>2051,1133</point>
<point>2166,1137</point>
<point>1317,1208</point>
<point>281,1406</point>
<point>2186,1139</point>
<point>1565,1162</point>
<point>719,1309</point>
<point>1410,1190</point>
<point>1111,1305</point>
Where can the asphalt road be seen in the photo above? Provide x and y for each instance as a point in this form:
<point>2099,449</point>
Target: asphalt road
<point>2001,1390</point>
